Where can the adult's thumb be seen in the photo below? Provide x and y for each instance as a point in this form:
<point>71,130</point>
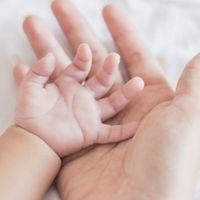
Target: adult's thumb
<point>189,82</point>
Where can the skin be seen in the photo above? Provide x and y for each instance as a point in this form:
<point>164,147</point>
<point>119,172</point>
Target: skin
<point>161,161</point>
<point>24,160</point>
<point>65,101</point>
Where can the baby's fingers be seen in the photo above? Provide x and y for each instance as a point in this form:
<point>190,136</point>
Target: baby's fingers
<point>118,100</point>
<point>101,83</point>
<point>19,72</point>
<point>81,65</point>
<point>116,133</point>
<point>40,72</point>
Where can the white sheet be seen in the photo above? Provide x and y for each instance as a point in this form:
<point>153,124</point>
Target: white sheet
<point>170,27</point>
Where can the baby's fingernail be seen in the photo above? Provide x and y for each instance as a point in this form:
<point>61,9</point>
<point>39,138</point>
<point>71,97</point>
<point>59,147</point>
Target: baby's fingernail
<point>117,56</point>
<point>139,82</point>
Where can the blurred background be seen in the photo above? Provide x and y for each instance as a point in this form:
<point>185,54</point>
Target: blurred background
<point>171,29</point>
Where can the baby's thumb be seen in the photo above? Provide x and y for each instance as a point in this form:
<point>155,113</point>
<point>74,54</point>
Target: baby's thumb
<point>41,71</point>
<point>189,82</point>
<point>19,73</point>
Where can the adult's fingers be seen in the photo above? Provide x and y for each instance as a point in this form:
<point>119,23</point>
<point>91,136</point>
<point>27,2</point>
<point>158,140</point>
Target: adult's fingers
<point>189,82</point>
<point>139,60</point>
<point>43,42</point>
<point>77,31</point>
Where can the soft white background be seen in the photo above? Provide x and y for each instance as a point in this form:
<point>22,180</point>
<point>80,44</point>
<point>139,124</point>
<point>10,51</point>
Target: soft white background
<point>171,28</point>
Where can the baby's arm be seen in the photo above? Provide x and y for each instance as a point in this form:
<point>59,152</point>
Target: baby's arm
<point>27,165</point>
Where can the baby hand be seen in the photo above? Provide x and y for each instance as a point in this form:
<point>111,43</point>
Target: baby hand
<point>68,113</point>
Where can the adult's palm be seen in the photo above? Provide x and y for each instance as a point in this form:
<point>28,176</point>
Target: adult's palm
<point>99,172</point>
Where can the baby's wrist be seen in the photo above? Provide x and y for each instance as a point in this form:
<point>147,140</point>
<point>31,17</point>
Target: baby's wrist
<point>33,140</point>
<point>28,165</point>
<point>43,137</point>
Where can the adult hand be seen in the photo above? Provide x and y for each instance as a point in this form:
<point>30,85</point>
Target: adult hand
<point>110,167</point>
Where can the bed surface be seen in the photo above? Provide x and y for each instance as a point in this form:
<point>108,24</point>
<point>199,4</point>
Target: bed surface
<point>171,28</point>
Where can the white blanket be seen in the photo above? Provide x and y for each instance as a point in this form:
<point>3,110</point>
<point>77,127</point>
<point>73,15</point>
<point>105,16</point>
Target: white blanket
<point>170,27</point>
